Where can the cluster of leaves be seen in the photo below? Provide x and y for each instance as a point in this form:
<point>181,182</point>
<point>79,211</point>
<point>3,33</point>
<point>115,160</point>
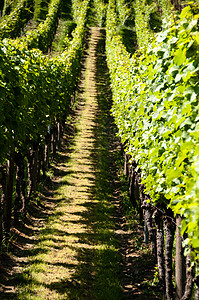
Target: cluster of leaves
<point>143,11</point>
<point>126,24</point>
<point>43,35</point>
<point>36,90</point>
<point>12,25</point>
<point>156,110</point>
<point>123,10</point>
<point>76,9</point>
<point>149,19</point>
<point>7,6</point>
<point>100,7</point>
<point>166,8</point>
<point>40,9</point>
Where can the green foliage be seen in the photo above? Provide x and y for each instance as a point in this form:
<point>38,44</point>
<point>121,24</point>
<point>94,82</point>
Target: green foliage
<point>60,42</point>
<point>128,38</point>
<point>142,18</point>
<point>40,9</point>
<point>12,25</point>
<point>76,8</point>
<point>126,24</point>
<point>100,8</point>
<point>123,10</point>
<point>156,110</point>
<point>155,21</point>
<point>8,6</point>
<point>166,8</point>
<point>42,36</point>
<point>66,12</point>
<point>36,90</point>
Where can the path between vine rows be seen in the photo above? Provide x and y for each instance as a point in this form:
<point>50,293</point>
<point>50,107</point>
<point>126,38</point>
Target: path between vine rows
<point>85,249</point>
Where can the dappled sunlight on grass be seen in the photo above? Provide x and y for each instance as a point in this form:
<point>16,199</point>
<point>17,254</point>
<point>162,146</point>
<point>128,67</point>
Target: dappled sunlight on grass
<point>77,244</point>
<point>76,253</point>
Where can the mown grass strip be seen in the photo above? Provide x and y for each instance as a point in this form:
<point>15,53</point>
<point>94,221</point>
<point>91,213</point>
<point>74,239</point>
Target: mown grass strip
<point>76,254</point>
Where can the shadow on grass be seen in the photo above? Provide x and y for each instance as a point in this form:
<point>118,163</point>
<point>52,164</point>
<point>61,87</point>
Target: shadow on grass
<point>97,275</point>
<point>108,266</point>
<point>111,268</point>
<point>29,232</point>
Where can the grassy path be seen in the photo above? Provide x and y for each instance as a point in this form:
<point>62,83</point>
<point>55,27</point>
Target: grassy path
<point>75,256</point>
<point>77,245</point>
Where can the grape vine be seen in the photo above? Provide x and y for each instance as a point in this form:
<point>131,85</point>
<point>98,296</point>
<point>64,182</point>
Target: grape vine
<point>155,107</point>
<point>36,93</point>
<point>12,24</point>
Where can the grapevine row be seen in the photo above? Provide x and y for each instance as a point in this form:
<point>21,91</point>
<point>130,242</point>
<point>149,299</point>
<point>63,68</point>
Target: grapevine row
<point>12,25</point>
<point>100,8</point>
<point>155,107</point>
<point>42,36</point>
<point>36,93</point>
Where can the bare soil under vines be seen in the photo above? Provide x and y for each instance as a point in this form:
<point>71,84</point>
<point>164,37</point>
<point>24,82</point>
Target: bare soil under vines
<point>77,243</point>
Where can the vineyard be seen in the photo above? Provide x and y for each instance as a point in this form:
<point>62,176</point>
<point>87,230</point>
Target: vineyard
<point>99,149</point>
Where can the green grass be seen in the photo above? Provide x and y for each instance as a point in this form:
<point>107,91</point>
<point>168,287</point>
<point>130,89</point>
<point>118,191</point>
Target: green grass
<point>72,250</point>
<point>76,253</point>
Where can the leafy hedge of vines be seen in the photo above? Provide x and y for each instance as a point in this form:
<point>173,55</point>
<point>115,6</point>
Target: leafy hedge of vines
<point>12,25</point>
<point>36,90</point>
<point>43,35</point>
<point>156,110</point>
